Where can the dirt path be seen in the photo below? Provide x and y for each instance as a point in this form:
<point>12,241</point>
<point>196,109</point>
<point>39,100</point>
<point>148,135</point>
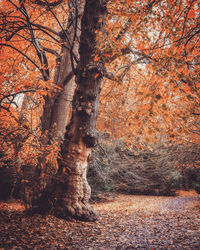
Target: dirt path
<point>126,222</point>
<point>180,204</point>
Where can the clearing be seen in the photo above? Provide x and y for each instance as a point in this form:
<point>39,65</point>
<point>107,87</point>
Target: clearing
<point>125,222</point>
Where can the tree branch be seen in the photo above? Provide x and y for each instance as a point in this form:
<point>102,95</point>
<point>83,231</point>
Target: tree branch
<point>27,57</point>
<point>46,3</point>
<point>51,51</point>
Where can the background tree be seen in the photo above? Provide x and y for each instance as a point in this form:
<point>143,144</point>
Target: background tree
<point>159,73</point>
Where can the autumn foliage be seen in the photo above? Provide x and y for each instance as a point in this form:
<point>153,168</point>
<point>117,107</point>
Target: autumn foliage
<point>158,77</point>
<point>147,53</point>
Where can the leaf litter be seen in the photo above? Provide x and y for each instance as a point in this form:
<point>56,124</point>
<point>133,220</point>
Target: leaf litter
<point>125,222</point>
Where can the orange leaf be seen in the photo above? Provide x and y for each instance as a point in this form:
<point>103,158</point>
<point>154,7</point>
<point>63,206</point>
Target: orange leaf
<point>96,58</point>
<point>106,64</point>
<point>191,14</point>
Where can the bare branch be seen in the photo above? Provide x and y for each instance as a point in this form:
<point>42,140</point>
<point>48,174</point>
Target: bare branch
<point>27,57</point>
<point>51,51</point>
<point>46,3</point>
<point>41,27</point>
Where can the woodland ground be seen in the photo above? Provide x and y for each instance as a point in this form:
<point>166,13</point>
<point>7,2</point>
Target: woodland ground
<point>125,222</point>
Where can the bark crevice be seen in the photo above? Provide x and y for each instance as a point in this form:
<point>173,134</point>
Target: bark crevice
<point>70,189</point>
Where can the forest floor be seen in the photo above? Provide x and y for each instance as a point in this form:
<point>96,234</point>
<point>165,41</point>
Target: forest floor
<point>125,222</point>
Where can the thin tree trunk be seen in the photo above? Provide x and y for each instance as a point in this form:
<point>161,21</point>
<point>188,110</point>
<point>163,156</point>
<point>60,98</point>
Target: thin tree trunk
<point>57,110</point>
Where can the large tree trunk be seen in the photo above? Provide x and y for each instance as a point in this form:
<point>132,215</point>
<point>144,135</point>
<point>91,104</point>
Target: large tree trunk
<point>81,136</point>
<point>57,109</point>
<point>68,192</point>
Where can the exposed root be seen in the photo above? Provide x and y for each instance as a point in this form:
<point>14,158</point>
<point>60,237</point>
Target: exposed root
<point>76,210</point>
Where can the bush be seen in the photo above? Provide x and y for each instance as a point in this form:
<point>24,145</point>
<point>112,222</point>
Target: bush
<point>196,179</point>
<point>158,172</point>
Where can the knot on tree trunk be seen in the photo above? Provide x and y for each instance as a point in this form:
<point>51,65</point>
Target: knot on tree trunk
<point>90,140</point>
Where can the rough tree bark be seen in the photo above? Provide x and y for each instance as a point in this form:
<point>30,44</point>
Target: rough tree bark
<point>70,191</point>
<point>68,194</point>
<point>57,111</point>
<point>81,136</point>
<point>67,191</point>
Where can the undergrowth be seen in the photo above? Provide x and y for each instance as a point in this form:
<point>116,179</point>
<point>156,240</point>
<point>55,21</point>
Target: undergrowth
<point>161,171</point>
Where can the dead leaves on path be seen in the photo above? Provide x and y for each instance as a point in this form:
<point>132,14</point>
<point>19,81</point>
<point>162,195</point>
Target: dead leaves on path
<point>126,222</point>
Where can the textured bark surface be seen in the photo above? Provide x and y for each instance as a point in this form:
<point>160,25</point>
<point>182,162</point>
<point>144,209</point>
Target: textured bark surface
<point>75,198</point>
<point>67,193</point>
<point>57,110</point>
<point>80,136</point>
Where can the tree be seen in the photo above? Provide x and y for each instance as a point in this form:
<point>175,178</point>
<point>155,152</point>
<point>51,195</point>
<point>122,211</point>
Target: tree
<point>163,37</point>
<point>80,135</point>
<point>69,39</point>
